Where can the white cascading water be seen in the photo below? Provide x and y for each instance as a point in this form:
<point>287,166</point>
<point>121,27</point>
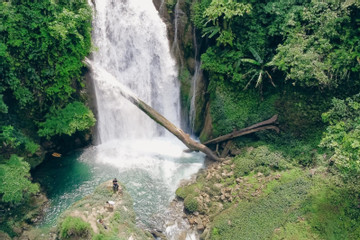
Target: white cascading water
<point>133,51</point>
<point>198,74</point>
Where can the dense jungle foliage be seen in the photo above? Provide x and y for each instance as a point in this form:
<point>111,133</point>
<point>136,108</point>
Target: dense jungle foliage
<point>296,58</point>
<point>42,45</point>
<point>299,59</point>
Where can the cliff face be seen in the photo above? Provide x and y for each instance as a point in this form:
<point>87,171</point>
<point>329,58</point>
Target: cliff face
<point>186,48</point>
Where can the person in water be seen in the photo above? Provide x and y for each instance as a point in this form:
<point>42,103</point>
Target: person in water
<point>115,185</point>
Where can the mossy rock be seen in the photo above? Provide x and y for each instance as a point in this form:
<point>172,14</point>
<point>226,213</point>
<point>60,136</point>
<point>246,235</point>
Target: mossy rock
<point>118,219</point>
<point>191,204</point>
<point>75,228</point>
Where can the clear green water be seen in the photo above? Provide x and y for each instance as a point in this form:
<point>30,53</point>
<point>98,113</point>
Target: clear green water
<point>150,177</point>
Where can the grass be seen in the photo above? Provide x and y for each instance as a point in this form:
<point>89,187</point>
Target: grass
<point>258,218</point>
<point>294,207</point>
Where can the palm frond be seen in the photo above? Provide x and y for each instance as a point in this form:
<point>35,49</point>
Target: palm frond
<point>252,61</point>
<point>269,76</point>
<point>256,55</point>
<point>252,78</point>
<point>259,80</point>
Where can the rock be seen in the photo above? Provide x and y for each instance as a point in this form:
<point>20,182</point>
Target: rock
<point>227,162</point>
<point>200,227</point>
<point>239,180</point>
<point>191,220</point>
<point>4,236</point>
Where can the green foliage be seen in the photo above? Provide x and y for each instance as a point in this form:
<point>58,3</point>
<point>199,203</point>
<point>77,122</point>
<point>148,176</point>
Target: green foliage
<point>332,210</point>
<point>259,159</point>
<point>42,59</point>
<point>219,15</point>
<point>259,71</point>
<point>75,227</point>
<point>3,107</point>
<point>185,79</point>
<point>258,219</point>
<point>183,192</point>
<point>342,136</point>
<point>14,178</point>
<point>74,117</point>
<point>42,46</point>
<point>11,137</point>
<point>191,204</point>
<point>300,230</point>
<point>319,43</point>
<point>235,110</point>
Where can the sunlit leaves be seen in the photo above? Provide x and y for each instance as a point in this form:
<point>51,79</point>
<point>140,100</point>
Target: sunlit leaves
<point>343,135</point>
<point>74,117</point>
<point>13,138</point>
<point>321,43</point>
<point>218,17</point>
<point>14,178</point>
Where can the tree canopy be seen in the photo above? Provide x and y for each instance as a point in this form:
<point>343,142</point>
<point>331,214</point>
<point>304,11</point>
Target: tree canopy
<point>15,180</point>
<point>42,45</point>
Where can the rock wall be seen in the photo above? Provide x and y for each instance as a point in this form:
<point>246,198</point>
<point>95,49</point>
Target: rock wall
<point>185,45</point>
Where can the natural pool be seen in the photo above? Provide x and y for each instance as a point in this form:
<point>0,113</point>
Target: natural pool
<point>150,170</point>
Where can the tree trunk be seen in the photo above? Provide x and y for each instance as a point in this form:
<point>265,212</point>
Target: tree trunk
<point>157,117</point>
<point>180,134</point>
<point>254,128</point>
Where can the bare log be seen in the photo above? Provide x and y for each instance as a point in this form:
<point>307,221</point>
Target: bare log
<point>253,128</point>
<point>160,119</point>
<point>180,134</point>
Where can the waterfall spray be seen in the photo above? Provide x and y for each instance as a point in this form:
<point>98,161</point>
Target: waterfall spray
<point>133,47</point>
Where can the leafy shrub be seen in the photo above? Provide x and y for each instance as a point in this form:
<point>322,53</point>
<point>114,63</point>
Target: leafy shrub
<point>233,110</point>
<point>244,166</point>
<point>14,138</point>
<point>191,189</point>
<point>191,204</point>
<point>75,227</point>
<point>264,170</point>
<point>342,136</point>
<point>74,117</point>
<point>264,157</point>
<point>261,159</point>
<point>181,193</point>
<point>14,177</point>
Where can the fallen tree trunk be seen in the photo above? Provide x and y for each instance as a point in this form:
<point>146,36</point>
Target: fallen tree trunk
<point>264,125</point>
<point>157,117</point>
<point>180,134</point>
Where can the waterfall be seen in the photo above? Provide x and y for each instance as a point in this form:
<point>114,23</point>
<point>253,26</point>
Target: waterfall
<point>175,48</point>
<point>132,50</point>
<point>194,84</point>
<point>133,46</point>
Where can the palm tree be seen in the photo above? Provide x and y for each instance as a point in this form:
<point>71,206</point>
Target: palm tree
<point>258,71</point>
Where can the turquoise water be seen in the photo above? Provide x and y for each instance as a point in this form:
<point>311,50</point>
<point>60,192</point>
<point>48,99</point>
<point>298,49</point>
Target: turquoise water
<point>151,178</point>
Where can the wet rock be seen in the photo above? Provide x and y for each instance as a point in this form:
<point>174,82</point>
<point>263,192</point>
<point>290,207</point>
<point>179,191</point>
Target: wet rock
<point>158,234</point>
